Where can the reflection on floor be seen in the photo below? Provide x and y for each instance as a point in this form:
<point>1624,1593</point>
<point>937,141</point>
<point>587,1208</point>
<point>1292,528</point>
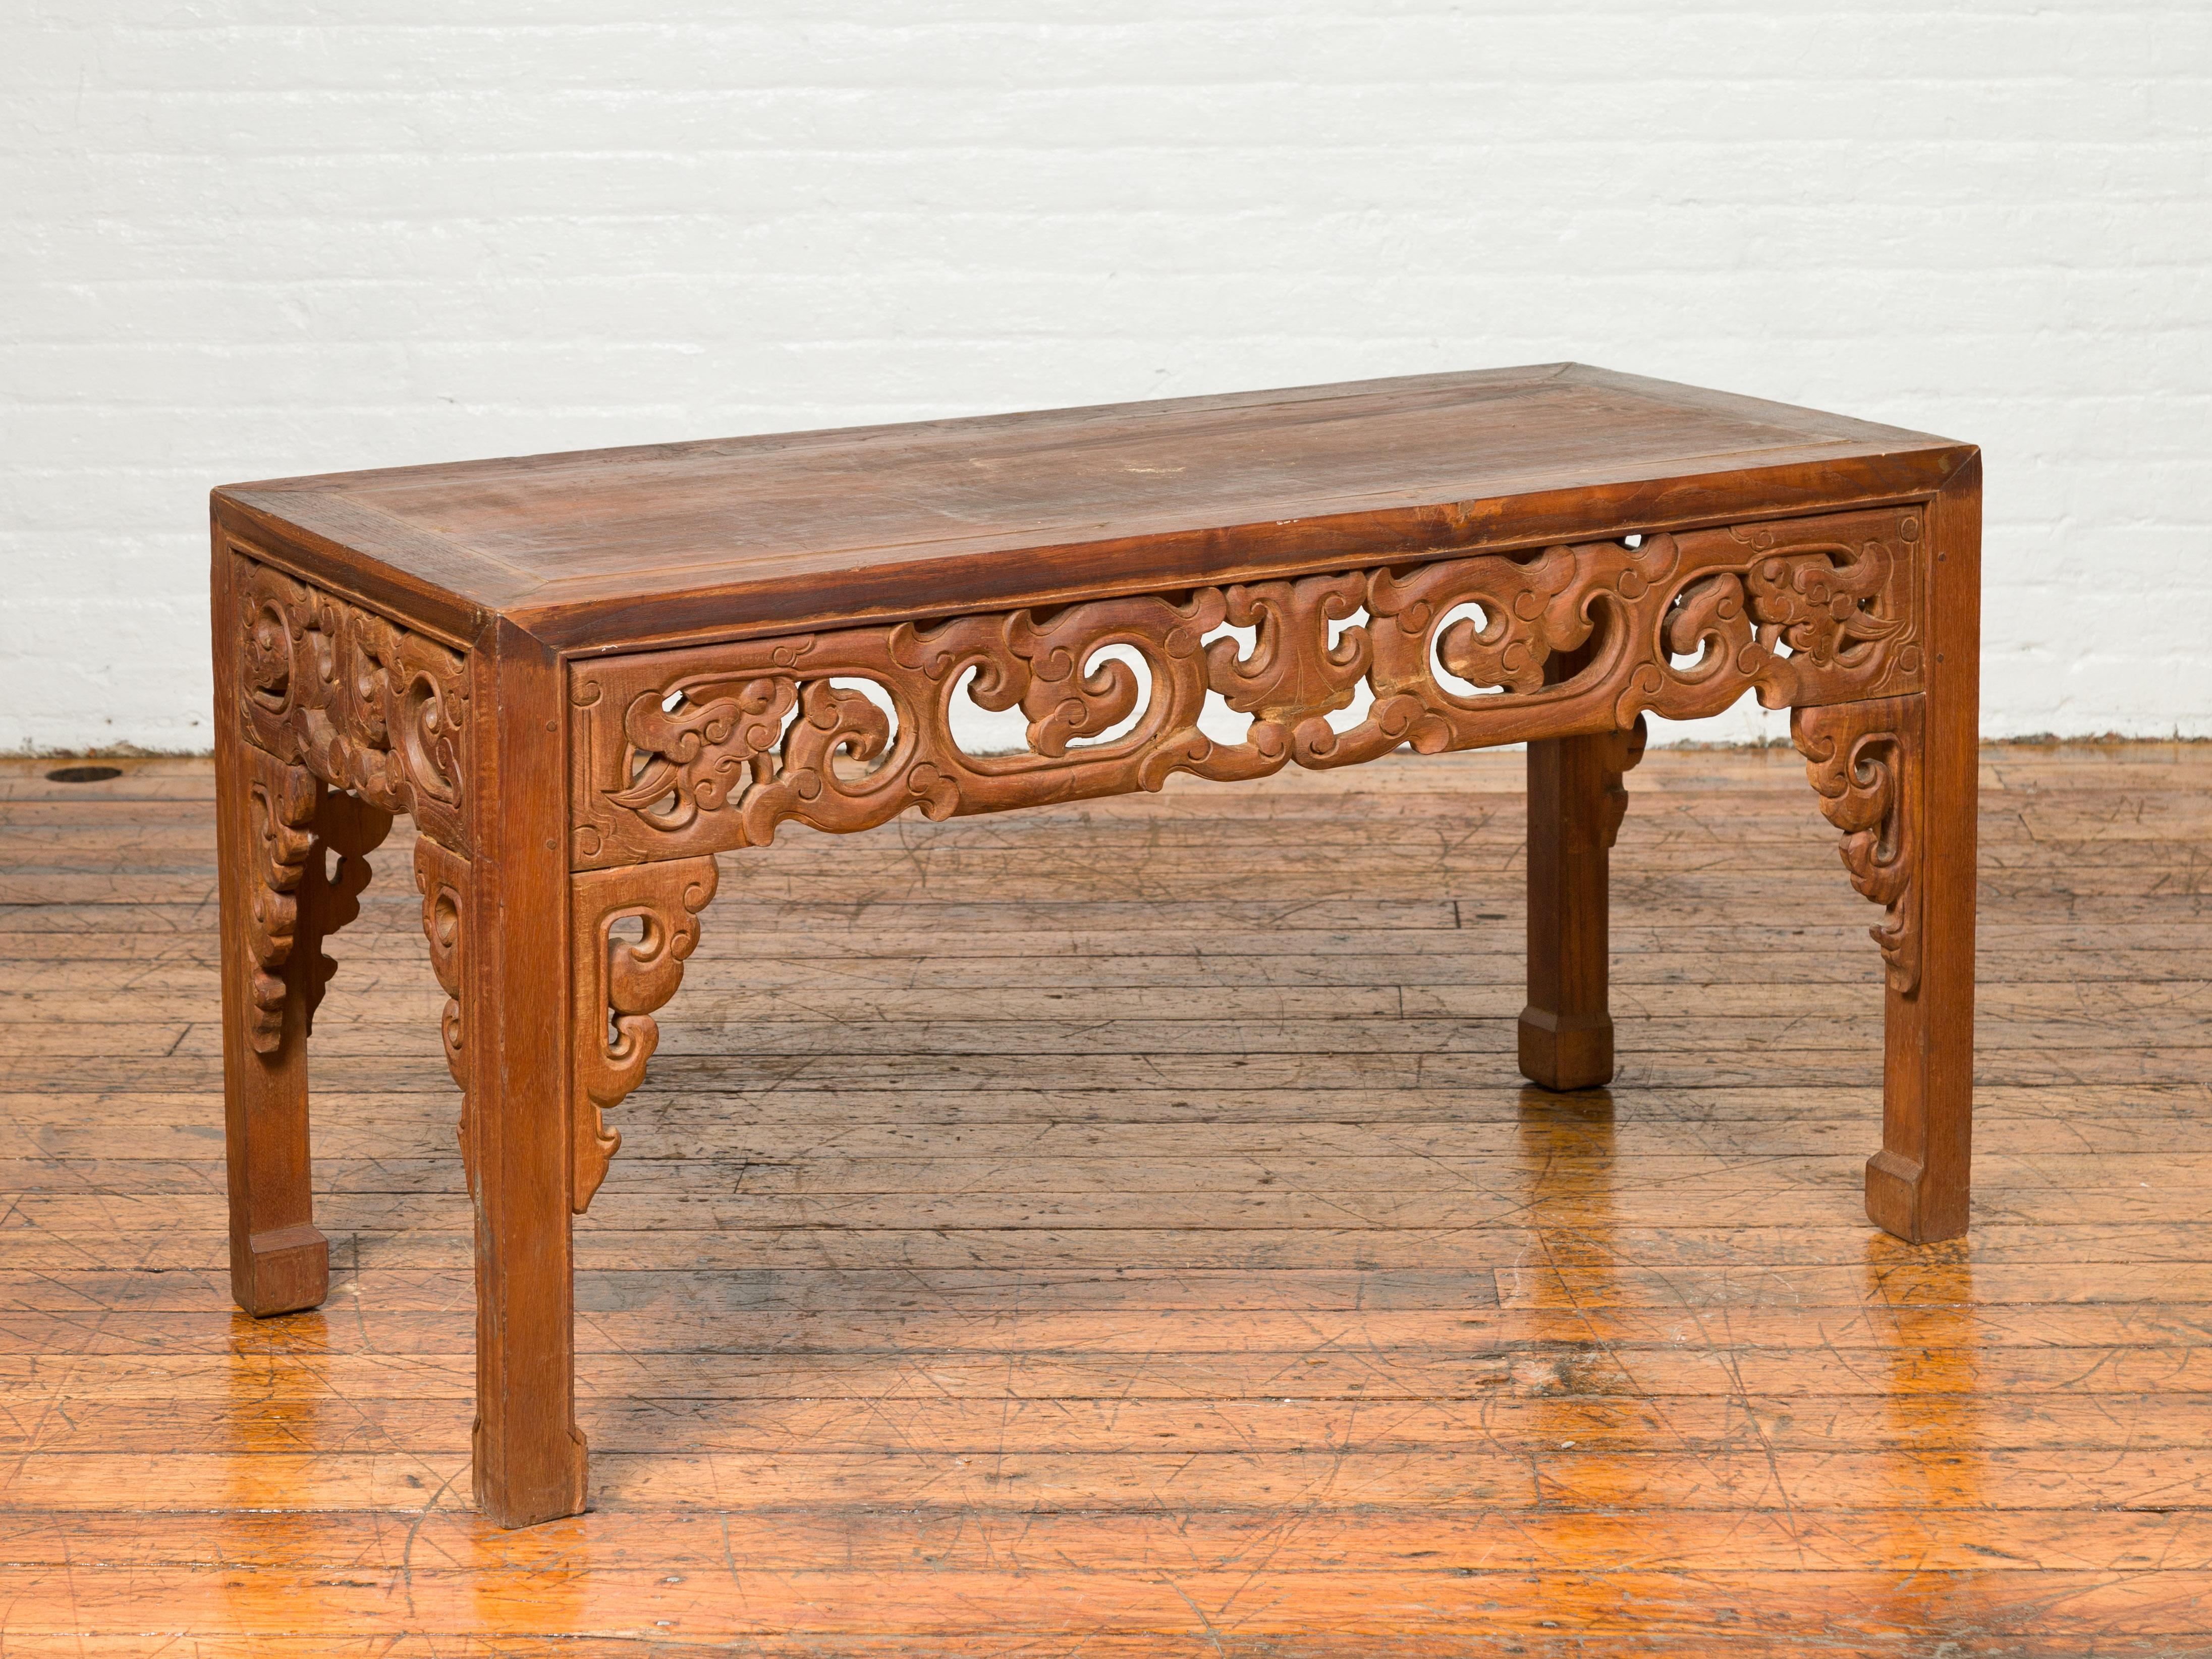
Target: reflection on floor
<point>1120,1230</point>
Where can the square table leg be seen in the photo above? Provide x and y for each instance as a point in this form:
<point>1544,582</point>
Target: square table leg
<point>291,863</point>
<point>279,1260</point>
<point>1916,1186</point>
<point>1900,776</point>
<point>511,911</point>
<point>1576,803</point>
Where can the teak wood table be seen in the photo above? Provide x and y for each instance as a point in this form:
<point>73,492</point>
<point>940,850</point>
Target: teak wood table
<point>585,675</point>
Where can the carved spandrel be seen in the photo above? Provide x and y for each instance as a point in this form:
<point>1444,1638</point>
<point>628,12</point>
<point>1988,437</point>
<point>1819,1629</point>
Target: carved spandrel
<point>442,876</point>
<point>366,705</point>
<point>281,814</point>
<point>1625,751</point>
<point>1863,759</point>
<point>619,979</point>
<point>309,851</point>
<point>347,830</point>
<point>678,753</point>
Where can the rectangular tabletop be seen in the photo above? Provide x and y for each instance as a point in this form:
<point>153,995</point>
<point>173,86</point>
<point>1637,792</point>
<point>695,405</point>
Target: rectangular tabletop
<point>614,548</point>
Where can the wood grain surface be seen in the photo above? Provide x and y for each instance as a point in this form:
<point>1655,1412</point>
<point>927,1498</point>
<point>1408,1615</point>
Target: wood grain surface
<point>601,548</point>
<point>1107,1230</point>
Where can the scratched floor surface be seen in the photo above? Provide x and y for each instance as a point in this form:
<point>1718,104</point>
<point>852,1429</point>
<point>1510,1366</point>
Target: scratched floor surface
<point>1120,1229</point>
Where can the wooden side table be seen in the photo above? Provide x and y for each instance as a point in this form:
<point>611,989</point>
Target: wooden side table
<point>586,675</point>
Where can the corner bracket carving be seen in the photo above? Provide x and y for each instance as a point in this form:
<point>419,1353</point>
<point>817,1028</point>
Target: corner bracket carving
<point>299,896</point>
<point>1624,750</point>
<point>1863,759</point>
<point>619,981</point>
<point>442,875</point>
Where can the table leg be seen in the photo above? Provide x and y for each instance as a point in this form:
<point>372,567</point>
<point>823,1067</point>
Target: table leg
<point>1576,803</point>
<point>292,861</point>
<point>1898,775</point>
<point>1917,1184</point>
<point>507,921</point>
<point>279,1261</point>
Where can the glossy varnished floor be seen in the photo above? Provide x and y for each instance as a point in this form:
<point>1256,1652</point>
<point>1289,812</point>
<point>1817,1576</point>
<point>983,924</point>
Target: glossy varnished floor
<point>1120,1229</point>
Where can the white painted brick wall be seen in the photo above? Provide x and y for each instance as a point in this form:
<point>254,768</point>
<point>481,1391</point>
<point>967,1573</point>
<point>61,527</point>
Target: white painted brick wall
<point>247,237</point>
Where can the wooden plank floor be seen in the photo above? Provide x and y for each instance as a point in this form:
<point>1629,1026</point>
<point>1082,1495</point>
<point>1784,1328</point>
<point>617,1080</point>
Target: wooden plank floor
<point>1120,1229</point>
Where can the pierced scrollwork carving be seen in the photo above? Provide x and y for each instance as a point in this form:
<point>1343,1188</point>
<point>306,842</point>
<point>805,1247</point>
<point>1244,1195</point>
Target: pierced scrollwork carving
<point>619,981</point>
<point>309,864</point>
<point>1863,759</point>
<point>442,876</point>
<point>765,733</point>
<point>364,704</point>
<point>682,752</point>
<point>1295,675</point>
